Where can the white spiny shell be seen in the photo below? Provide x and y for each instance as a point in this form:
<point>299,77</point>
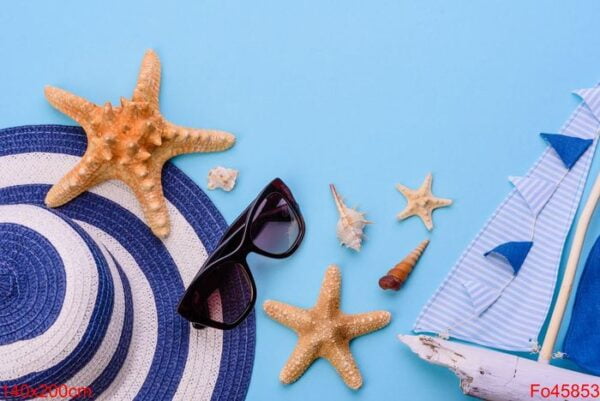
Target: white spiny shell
<point>221,177</point>
<point>351,224</point>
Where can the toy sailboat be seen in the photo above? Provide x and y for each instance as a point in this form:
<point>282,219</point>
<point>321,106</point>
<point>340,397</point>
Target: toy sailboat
<point>500,291</point>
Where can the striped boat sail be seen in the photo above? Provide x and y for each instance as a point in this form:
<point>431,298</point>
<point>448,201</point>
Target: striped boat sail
<point>499,292</point>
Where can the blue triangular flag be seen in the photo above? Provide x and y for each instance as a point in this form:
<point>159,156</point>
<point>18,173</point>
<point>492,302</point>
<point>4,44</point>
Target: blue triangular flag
<point>514,252</point>
<point>568,148</point>
<point>482,296</point>
<point>535,191</point>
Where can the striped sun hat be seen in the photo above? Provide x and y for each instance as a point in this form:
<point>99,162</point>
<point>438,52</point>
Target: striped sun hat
<point>88,294</point>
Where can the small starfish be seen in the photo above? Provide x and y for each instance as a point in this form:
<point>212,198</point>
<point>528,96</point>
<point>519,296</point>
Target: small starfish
<point>130,143</point>
<point>325,332</point>
<point>421,202</point>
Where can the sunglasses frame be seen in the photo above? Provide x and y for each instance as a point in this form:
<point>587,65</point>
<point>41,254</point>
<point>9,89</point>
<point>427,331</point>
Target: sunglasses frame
<point>242,226</point>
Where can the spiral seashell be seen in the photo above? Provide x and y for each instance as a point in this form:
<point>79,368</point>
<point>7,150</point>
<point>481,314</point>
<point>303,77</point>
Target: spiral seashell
<point>351,224</point>
<point>397,275</point>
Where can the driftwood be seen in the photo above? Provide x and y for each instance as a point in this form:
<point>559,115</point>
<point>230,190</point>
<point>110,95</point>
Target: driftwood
<point>492,375</point>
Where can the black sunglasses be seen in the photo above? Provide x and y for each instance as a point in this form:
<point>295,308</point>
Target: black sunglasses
<point>223,292</point>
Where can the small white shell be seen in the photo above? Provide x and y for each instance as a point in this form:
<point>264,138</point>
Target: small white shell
<point>221,177</point>
<point>351,224</point>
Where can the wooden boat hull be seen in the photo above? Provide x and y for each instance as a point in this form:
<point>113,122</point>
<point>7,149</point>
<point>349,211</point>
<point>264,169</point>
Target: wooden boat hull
<point>493,375</point>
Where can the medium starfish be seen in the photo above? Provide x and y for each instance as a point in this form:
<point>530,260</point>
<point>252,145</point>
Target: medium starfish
<point>421,202</point>
<point>325,332</point>
<point>131,143</point>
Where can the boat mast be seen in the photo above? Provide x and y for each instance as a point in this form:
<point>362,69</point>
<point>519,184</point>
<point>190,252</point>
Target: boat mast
<point>569,274</point>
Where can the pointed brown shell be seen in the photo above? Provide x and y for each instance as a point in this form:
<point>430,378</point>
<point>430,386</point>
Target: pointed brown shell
<point>397,275</point>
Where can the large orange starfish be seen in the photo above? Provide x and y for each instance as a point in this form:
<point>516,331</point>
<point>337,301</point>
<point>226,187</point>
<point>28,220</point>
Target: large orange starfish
<point>131,143</point>
<point>325,332</point>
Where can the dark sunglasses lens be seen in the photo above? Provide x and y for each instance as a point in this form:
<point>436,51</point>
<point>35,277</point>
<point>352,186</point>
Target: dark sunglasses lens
<point>221,295</point>
<point>275,226</point>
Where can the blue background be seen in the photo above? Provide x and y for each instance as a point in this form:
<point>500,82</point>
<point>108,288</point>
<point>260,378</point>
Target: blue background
<point>361,94</point>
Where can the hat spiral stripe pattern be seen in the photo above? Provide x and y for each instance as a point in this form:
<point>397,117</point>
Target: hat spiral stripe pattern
<point>88,294</point>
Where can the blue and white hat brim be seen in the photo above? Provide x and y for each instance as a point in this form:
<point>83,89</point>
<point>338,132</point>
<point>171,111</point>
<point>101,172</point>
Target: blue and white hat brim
<point>93,300</point>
